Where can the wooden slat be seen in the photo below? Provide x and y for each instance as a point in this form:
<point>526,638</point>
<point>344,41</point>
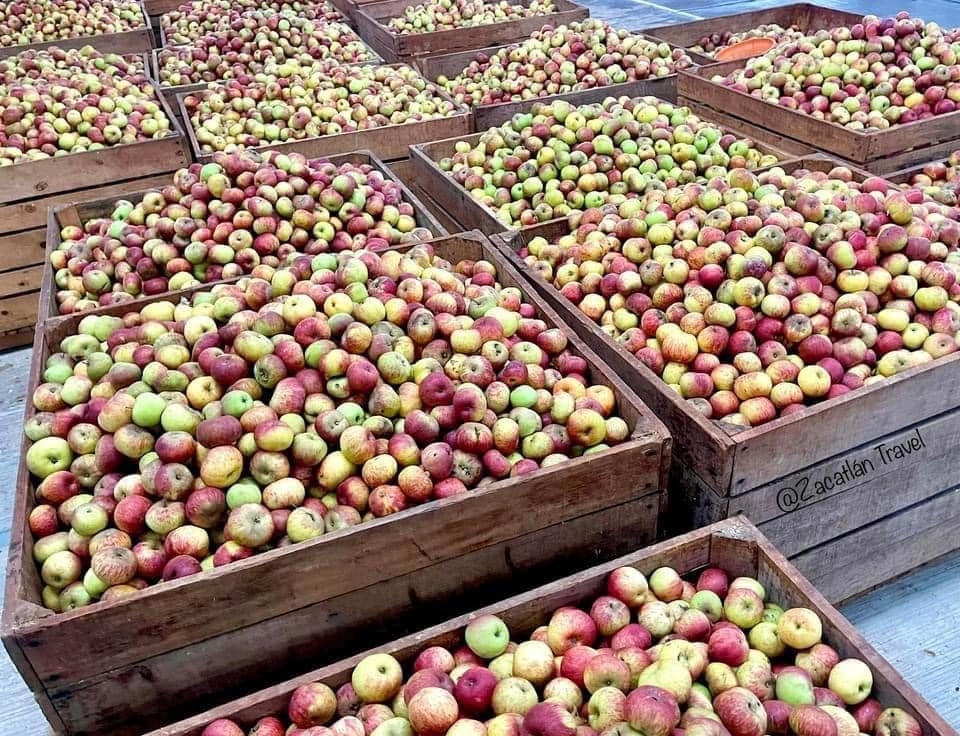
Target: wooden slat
<point>807,508</point>
<point>18,311</point>
<point>136,41</point>
<point>22,250</point>
<point>21,280</point>
<point>857,562</point>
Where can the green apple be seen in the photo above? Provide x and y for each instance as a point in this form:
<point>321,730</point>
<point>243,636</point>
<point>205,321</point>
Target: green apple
<point>48,455</point>
<point>487,636</point>
<point>377,678</point>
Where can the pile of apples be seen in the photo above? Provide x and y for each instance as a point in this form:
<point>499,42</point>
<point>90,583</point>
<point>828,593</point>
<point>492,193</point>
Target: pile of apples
<point>34,21</point>
<point>654,656</point>
<point>54,102</point>
<point>193,20</point>
<point>296,403</point>
<point>445,15</point>
<point>714,42</point>
<point>875,74</point>
<point>232,115</point>
<point>560,159</point>
<point>754,296</point>
<point>280,44</point>
<point>940,180</point>
<point>224,219</point>
<point>563,59</point>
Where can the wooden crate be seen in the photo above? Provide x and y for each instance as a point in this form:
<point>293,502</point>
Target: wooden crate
<point>372,19</point>
<point>805,16</point>
<point>159,662</point>
<point>102,206</point>
<point>475,215</point>
<point>878,151</point>
<point>136,41</point>
<point>489,116</point>
<point>389,142</point>
<point>810,480</point>
<point>734,545</point>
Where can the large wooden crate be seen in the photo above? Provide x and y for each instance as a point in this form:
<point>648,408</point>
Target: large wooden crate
<point>870,460</point>
<point>372,22</point>
<point>805,17</point>
<point>79,213</point>
<point>488,116</point>
<point>176,646</point>
<point>880,151</point>
<point>734,545</point>
<point>389,142</point>
<point>475,215</point>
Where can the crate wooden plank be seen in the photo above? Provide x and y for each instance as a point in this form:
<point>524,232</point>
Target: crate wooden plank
<point>805,16</point>
<point>489,116</point>
<point>20,280</point>
<point>271,585</point>
<point>18,311</point>
<point>336,627</point>
<point>858,146</point>
<point>372,22</point>
<point>475,215</point>
<point>21,250</point>
<point>102,207</point>
<point>734,544</point>
<point>862,560</point>
<point>388,142</point>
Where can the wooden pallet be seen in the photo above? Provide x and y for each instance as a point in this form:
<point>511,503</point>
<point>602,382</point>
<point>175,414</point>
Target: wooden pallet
<point>159,663</point>
<point>489,116</point>
<point>78,213</point>
<point>473,214</point>
<point>372,19</point>
<point>880,151</point>
<point>734,545</point>
<point>811,479</point>
<point>390,142</point>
